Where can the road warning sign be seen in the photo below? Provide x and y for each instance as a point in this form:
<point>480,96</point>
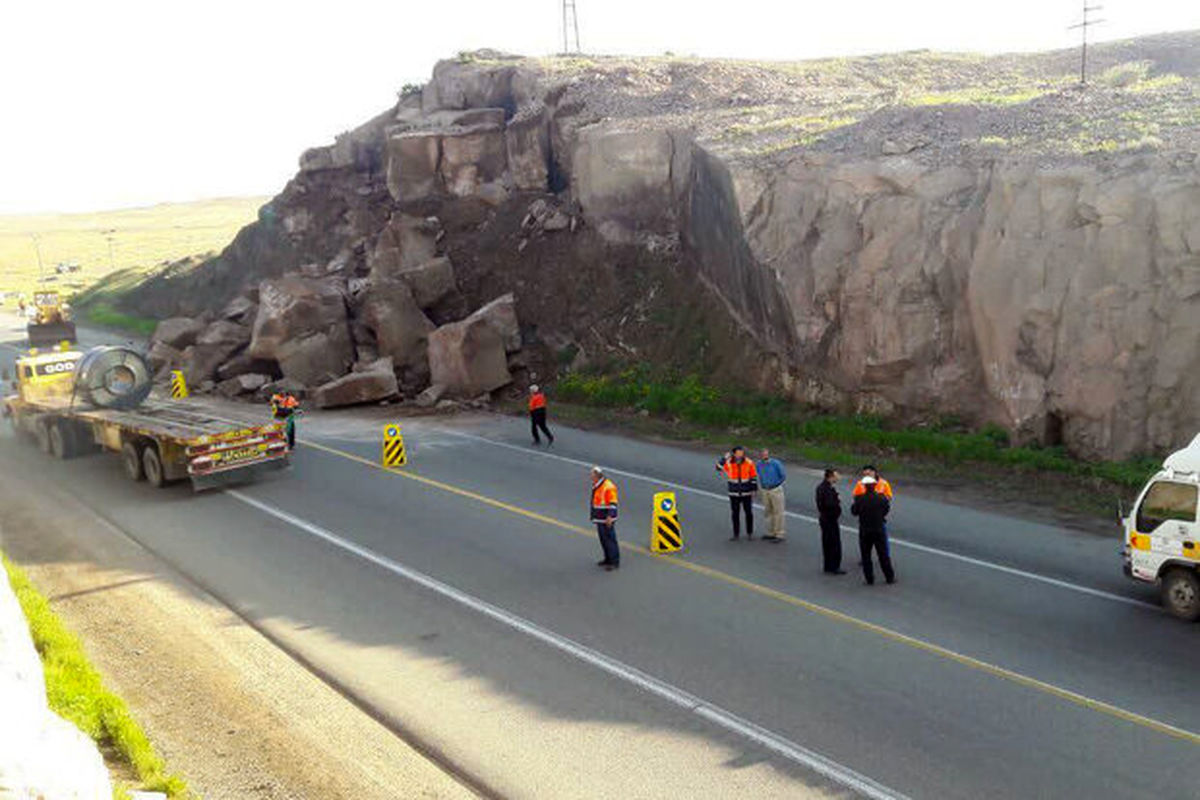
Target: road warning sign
<point>666,535</point>
<point>393,446</point>
<point>179,388</point>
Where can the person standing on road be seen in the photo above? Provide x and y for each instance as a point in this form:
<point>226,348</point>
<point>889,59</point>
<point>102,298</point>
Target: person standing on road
<point>604,514</point>
<point>284,406</point>
<point>537,415</point>
<point>771,477</point>
<point>881,486</point>
<point>829,511</point>
<point>741,479</point>
<point>871,508</point>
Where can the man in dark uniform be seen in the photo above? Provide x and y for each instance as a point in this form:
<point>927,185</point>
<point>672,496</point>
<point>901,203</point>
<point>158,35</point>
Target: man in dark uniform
<point>829,511</point>
<point>871,508</point>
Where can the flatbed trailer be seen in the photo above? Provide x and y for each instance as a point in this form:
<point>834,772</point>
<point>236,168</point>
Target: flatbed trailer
<point>159,440</point>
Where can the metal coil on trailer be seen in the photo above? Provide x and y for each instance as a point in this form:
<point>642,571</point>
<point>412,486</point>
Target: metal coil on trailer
<point>113,377</point>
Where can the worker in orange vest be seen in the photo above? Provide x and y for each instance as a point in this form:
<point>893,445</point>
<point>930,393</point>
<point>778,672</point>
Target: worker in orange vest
<point>604,514</point>
<point>881,486</point>
<point>284,406</point>
<point>741,479</point>
<point>537,414</point>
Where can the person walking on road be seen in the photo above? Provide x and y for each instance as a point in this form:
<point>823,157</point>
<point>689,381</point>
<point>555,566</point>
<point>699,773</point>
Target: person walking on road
<point>829,511</point>
<point>871,508</point>
<point>741,478</point>
<point>604,514</point>
<point>771,477</point>
<point>537,415</point>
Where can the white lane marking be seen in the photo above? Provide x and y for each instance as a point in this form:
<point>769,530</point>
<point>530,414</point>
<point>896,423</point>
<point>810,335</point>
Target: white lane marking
<point>977,562</point>
<point>702,708</point>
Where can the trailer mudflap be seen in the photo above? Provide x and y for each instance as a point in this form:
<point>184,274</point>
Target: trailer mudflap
<point>242,474</point>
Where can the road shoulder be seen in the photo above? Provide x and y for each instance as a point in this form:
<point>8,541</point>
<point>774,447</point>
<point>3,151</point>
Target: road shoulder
<point>233,712</point>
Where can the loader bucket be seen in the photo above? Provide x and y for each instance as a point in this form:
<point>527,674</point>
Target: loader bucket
<point>48,334</point>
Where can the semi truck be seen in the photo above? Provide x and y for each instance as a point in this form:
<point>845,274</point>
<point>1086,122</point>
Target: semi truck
<point>73,403</point>
<point>1162,533</point>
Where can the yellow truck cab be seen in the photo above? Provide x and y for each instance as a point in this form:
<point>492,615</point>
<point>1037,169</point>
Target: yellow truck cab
<point>1162,533</point>
<point>47,378</point>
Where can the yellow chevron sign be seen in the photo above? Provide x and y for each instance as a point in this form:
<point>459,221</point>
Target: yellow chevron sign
<point>179,388</point>
<point>393,446</point>
<point>666,534</point>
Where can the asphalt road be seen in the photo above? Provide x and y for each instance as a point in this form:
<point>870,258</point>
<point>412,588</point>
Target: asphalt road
<point>458,599</point>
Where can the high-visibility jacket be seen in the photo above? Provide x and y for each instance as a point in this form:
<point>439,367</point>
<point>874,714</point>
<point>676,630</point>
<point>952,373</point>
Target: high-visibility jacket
<point>604,500</point>
<point>536,401</point>
<point>881,487</point>
<point>741,478</point>
<point>282,405</point>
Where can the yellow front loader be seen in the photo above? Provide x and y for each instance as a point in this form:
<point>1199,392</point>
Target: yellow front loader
<point>51,321</point>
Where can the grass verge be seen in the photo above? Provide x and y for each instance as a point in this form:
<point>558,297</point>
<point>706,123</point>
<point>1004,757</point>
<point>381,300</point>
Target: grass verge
<point>103,315</point>
<point>945,451</point>
<point>77,693</point>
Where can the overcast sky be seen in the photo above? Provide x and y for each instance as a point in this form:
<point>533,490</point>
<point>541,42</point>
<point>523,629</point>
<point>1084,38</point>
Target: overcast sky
<point>124,102</point>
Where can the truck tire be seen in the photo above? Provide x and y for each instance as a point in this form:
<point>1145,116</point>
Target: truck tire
<point>131,459</point>
<point>62,440</point>
<point>152,465</point>
<point>1181,593</point>
<point>41,432</point>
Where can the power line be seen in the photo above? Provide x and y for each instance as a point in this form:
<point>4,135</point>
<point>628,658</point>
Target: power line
<point>1083,26</point>
<point>570,23</point>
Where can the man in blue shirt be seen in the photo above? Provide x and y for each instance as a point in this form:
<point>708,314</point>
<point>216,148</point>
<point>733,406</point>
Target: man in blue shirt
<point>771,477</point>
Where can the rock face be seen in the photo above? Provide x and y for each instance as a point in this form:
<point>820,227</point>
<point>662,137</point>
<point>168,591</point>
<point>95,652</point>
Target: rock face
<point>302,325</point>
<point>373,382</point>
<point>467,358</point>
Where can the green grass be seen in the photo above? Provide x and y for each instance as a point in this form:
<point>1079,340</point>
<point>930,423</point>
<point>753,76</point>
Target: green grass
<point>974,96</point>
<point>77,693</point>
<point>825,436</point>
<point>103,315</point>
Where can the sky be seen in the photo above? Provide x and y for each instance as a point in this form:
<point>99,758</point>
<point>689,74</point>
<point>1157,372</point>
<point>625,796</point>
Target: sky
<point>125,103</point>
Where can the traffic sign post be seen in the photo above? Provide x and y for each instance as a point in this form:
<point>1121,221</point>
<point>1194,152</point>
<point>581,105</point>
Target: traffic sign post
<point>666,534</point>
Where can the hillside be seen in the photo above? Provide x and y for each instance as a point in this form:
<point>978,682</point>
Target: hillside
<point>142,240</point>
<point>915,236</point>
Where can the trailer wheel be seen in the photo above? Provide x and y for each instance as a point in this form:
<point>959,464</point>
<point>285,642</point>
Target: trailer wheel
<point>153,467</point>
<point>131,459</point>
<point>1181,593</point>
<point>41,432</point>
<point>62,443</point>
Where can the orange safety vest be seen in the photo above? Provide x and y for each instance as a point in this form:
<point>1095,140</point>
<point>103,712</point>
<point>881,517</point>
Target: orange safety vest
<point>741,479</point>
<point>881,487</point>
<point>604,500</point>
<point>537,401</point>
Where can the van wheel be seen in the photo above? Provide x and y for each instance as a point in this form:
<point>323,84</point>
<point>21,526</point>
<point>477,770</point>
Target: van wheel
<point>131,459</point>
<point>62,443</point>
<point>1181,593</point>
<point>41,432</point>
<point>153,467</point>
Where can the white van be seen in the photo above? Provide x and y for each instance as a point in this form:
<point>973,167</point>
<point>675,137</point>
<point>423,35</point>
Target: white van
<point>1162,534</point>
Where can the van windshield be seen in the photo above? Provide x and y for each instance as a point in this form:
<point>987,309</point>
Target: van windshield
<point>1167,501</point>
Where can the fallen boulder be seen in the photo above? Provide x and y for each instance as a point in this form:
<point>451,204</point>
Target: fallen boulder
<point>242,384</point>
<point>245,364</point>
<point>240,309</point>
<point>431,282</point>
<point>163,356</point>
<point>404,243</point>
<point>429,397</point>
<point>400,327</point>
<point>177,332</point>
<point>317,358</point>
<point>467,357</point>
<point>366,384</point>
<point>501,314</point>
<point>293,308</point>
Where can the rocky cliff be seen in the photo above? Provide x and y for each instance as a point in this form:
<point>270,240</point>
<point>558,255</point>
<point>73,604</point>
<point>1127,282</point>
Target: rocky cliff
<point>909,235</point>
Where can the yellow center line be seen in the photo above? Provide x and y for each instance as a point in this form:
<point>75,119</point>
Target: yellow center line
<point>829,613</point>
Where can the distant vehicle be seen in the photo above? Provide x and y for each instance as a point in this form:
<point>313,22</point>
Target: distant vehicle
<point>1162,533</point>
<point>51,321</point>
<point>64,267</point>
<point>74,403</point>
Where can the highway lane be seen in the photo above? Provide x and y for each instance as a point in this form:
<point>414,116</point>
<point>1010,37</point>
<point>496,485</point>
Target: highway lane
<point>917,721</point>
<point>531,720</point>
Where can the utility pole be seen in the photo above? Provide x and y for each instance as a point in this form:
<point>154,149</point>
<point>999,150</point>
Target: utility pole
<point>570,23</point>
<point>1083,26</point>
<point>108,234</point>
<point>37,245</point>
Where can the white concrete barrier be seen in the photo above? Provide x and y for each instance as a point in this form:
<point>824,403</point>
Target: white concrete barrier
<point>41,754</point>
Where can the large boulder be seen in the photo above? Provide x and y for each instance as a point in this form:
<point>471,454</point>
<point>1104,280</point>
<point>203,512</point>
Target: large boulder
<point>292,308</point>
<point>501,315</point>
<point>365,384</point>
<point>240,309</point>
<point>163,357</point>
<point>471,158</point>
<point>401,329</point>
<point>623,179</point>
<point>527,142</point>
<point>225,332</point>
<point>177,332</point>
<point>412,165</point>
<point>404,243</point>
<point>318,357</point>
<point>242,384</point>
<point>485,80</point>
<point>431,282</point>
<point>246,364</point>
<point>468,358</point>
<point>213,347</point>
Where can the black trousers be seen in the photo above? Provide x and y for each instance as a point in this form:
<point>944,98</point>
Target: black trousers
<point>608,543</point>
<point>831,545</point>
<point>743,501</point>
<point>537,419</point>
<point>877,541</point>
